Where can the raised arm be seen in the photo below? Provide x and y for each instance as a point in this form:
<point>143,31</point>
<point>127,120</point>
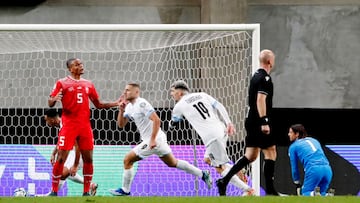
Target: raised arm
<point>104,105</point>
<point>121,120</point>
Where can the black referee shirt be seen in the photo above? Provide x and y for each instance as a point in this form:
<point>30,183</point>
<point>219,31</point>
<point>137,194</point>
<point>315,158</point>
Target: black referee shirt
<point>260,83</point>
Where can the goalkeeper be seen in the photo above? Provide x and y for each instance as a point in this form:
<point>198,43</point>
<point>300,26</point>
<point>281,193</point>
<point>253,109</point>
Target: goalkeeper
<point>307,150</point>
<point>200,109</point>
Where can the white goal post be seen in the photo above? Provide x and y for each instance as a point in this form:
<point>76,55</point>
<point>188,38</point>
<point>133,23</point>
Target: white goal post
<point>215,58</point>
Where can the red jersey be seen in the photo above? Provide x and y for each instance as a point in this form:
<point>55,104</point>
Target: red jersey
<point>75,100</point>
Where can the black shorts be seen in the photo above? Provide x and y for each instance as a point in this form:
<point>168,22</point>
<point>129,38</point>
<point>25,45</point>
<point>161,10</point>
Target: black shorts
<point>255,137</point>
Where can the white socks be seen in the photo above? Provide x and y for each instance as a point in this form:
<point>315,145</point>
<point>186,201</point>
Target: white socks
<point>128,177</point>
<point>61,183</point>
<point>77,178</point>
<point>187,167</point>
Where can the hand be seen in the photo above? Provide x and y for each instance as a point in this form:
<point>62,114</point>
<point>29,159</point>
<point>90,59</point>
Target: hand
<point>58,96</point>
<point>52,159</point>
<point>152,144</point>
<point>73,170</point>
<point>122,102</point>
<point>122,105</point>
<point>230,129</point>
<point>265,129</point>
<point>121,98</point>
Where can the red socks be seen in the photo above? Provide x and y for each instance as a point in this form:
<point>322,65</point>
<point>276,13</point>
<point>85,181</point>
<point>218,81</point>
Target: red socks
<point>88,171</point>
<point>56,175</point>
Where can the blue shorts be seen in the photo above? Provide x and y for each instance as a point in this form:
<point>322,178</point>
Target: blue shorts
<point>317,176</point>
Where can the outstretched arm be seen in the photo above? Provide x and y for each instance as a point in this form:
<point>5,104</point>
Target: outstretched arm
<point>175,120</point>
<point>105,105</point>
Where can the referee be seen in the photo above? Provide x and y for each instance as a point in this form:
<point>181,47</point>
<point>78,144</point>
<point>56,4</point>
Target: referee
<point>258,126</point>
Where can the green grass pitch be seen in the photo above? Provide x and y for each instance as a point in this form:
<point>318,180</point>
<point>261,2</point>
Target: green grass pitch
<point>99,199</point>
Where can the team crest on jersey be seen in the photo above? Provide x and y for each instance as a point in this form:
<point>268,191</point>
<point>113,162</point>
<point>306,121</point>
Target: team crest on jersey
<point>267,78</point>
<point>142,104</point>
<point>87,90</point>
<point>71,89</point>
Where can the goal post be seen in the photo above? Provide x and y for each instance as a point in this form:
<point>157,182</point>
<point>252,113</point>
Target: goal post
<point>215,58</point>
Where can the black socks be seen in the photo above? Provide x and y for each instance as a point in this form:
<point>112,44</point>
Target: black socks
<point>269,169</point>
<point>241,163</point>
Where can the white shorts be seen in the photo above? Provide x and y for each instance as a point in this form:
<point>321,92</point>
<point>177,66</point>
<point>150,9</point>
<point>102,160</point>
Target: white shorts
<point>162,148</point>
<point>216,152</point>
<point>71,159</point>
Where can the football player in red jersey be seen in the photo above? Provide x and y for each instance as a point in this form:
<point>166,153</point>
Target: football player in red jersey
<point>74,94</point>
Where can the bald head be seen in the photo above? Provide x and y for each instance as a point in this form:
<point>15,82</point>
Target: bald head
<point>267,59</point>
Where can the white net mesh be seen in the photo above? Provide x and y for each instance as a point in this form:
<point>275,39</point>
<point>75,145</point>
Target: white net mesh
<point>105,41</point>
<point>216,62</point>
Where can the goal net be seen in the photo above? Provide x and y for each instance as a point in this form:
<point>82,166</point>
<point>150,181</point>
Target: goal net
<point>216,59</point>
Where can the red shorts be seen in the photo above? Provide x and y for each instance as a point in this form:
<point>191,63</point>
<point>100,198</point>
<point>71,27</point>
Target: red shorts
<point>82,134</point>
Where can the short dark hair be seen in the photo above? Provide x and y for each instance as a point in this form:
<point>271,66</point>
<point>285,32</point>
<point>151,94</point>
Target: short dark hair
<point>180,84</point>
<point>51,113</point>
<point>69,62</point>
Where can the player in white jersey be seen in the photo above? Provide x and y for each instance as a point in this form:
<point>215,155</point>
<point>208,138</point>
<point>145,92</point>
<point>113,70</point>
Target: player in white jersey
<point>201,111</point>
<point>141,112</point>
